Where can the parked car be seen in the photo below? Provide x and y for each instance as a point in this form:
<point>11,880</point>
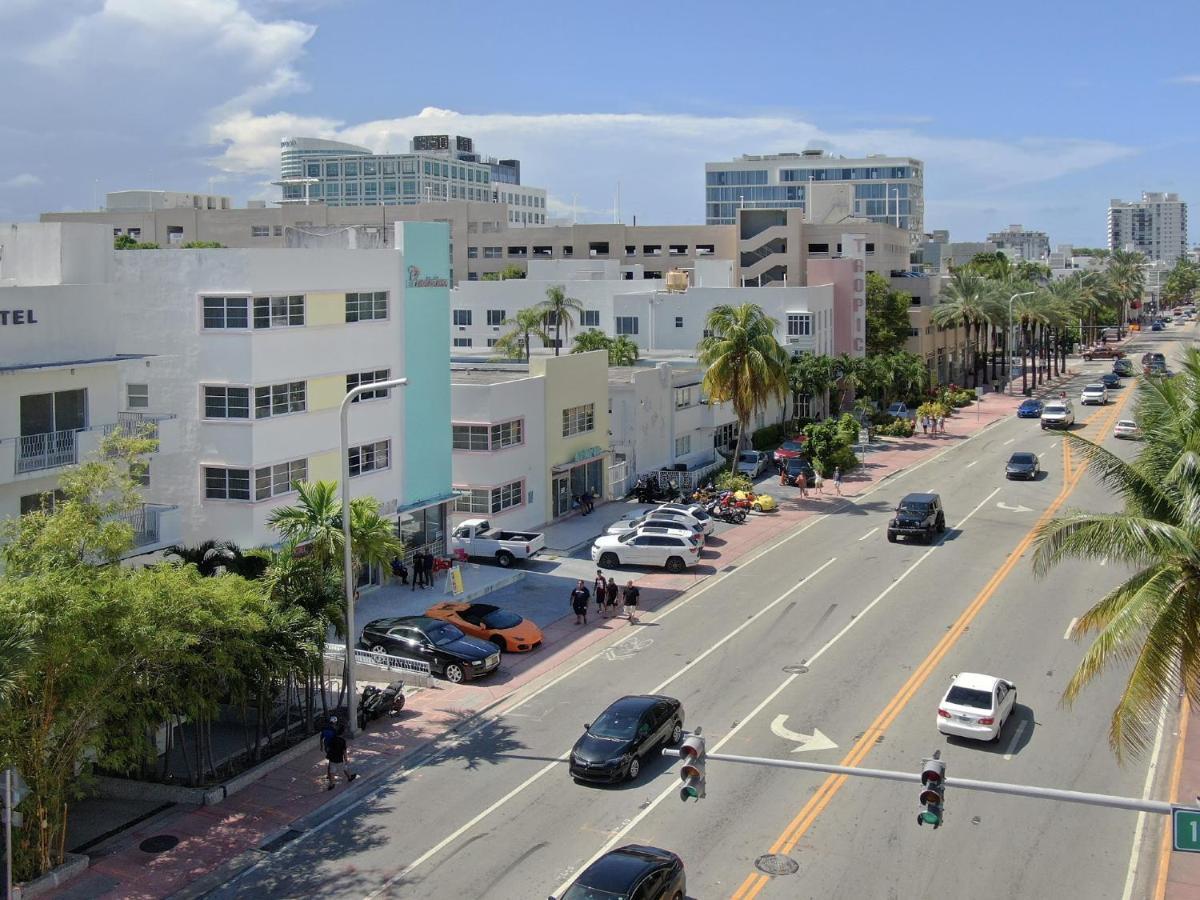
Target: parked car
<point>651,525</point>
<point>1094,393</point>
<point>507,630</point>
<point>1122,367</point>
<point>1030,409</point>
<point>1022,465</point>
<point>790,448</point>
<point>673,552</point>
<point>612,746</point>
<point>917,516</point>
<point>752,463</point>
<point>634,870</point>
<point>976,706</point>
<point>1058,414</point>
<point>695,510</point>
<point>797,465</point>
<point>758,502</point>
<point>449,652</point>
<point>476,538</point>
<point>1128,429</point>
<point>687,520</point>
<point>901,411</point>
<point>1110,380</point>
<point>1102,352</point>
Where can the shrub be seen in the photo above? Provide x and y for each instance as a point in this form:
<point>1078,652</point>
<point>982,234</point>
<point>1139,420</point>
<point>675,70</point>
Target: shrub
<point>732,481</point>
<point>767,438</point>
<point>897,428</point>
<point>847,427</point>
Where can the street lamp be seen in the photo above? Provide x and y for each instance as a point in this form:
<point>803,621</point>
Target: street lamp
<point>1008,338</point>
<point>347,564</point>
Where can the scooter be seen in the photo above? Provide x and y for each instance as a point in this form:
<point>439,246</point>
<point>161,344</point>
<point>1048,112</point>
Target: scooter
<point>376,702</point>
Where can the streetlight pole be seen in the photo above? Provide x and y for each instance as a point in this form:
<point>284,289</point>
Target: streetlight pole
<point>1008,339</point>
<point>347,563</point>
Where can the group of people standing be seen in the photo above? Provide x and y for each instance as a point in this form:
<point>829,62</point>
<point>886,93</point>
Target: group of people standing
<point>933,424</point>
<point>801,480</point>
<point>422,569</point>
<point>606,591</point>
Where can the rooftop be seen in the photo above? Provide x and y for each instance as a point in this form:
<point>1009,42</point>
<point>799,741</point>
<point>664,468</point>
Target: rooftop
<point>482,375</point>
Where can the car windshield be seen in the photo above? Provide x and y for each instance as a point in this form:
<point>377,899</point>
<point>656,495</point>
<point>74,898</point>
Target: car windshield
<point>1022,458</point>
<point>973,697</point>
<point>618,724</point>
<point>797,464</point>
<point>1054,409</point>
<point>1094,387</point>
<point>914,506</point>
<point>1031,404</point>
<point>1125,423</point>
<point>749,457</point>
<point>583,892</point>
<point>791,445</point>
<point>501,618</point>
<point>443,634</point>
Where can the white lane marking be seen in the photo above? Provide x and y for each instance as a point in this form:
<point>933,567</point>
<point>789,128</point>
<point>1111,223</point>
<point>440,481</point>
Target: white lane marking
<point>1147,789</point>
<point>673,788</point>
<point>1012,744</point>
<point>1070,629</point>
<point>869,533</point>
<point>1055,444</point>
<point>1104,562</point>
<point>971,463</point>
<point>1009,441</point>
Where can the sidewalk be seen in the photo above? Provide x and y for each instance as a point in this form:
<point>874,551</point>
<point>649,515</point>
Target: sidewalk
<point>1179,873</point>
<point>216,842</point>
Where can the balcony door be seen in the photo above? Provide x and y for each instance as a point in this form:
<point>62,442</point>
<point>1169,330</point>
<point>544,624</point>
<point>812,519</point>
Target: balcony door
<point>57,411</point>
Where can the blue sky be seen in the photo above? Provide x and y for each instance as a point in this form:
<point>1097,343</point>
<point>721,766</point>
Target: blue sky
<point>1022,114</point>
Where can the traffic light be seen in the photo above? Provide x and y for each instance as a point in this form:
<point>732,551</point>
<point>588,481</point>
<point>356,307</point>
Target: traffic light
<point>691,751</point>
<point>933,791</point>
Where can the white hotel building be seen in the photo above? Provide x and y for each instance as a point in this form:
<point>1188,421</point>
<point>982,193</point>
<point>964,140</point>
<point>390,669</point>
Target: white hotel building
<point>241,359</point>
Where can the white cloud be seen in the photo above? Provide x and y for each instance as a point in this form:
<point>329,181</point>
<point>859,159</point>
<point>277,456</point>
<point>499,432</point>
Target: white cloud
<point>23,180</point>
<point>1184,79</point>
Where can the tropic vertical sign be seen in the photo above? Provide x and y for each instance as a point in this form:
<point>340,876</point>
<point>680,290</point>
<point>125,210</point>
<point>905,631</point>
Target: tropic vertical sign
<point>854,247</point>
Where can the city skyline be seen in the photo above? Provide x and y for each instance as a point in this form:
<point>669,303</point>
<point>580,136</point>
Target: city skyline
<point>123,96</point>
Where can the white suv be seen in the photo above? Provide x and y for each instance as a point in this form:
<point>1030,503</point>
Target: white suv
<point>1058,414</point>
<point>673,552</point>
<point>1094,393</point>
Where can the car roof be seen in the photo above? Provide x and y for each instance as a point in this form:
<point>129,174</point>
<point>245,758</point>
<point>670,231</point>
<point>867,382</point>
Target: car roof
<point>1032,401</point>
<point>976,681</point>
<point>415,621</point>
<point>919,498</point>
<point>1094,387</point>
<point>1023,453</point>
<point>617,870</point>
<point>631,702</point>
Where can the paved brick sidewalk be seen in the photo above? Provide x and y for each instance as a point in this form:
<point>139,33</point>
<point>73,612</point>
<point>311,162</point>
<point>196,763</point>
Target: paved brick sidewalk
<point>1178,874</point>
<point>216,836</point>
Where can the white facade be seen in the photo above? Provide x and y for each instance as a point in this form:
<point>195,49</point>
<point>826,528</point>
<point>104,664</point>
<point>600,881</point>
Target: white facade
<point>148,201</point>
<point>1022,242</point>
<point>1156,225</point>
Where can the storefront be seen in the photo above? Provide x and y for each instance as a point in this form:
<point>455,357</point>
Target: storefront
<point>570,480</point>
<point>422,527</point>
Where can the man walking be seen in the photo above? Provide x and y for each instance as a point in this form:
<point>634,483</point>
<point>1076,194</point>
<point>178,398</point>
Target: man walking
<point>335,760</point>
<point>579,603</point>
<point>610,599</point>
<point>418,571</point>
<point>837,480</point>
<point>631,602</point>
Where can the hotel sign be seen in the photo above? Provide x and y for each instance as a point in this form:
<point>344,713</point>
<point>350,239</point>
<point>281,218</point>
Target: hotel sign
<point>854,247</point>
<point>17,317</point>
<point>418,280</point>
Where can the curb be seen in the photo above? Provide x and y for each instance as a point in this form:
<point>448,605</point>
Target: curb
<point>75,864</point>
<point>510,578</point>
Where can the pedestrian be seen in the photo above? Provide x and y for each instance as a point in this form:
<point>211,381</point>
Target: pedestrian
<point>399,570</point>
<point>802,483</point>
<point>924,424</point>
<point>780,467</point>
<point>818,482</point>
<point>335,760</point>
<point>418,570</point>
<point>631,602</point>
<point>427,568</point>
<point>586,500</point>
<point>837,480</point>
<point>579,602</point>
<point>941,424</point>
<point>599,586</point>
<point>331,728</point>
<point>610,599</point>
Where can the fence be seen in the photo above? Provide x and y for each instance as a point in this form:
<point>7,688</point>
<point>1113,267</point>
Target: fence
<point>410,667</point>
<point>618,480</point>
<point>690,480</point>
<point>46,451</point>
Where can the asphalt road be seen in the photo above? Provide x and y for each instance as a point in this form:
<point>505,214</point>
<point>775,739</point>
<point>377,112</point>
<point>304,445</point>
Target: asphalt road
<point>836,630</point>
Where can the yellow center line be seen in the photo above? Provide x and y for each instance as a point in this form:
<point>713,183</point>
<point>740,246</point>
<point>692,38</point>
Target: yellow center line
<point>795,830</point>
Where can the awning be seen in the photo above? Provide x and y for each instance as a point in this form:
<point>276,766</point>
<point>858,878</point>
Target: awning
<point>448,497</point>
<point>576,463</point>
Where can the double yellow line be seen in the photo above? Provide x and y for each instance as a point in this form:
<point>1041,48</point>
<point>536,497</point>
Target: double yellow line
<point>796,829</point>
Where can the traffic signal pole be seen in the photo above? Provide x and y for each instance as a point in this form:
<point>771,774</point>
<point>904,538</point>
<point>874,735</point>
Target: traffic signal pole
<point>1135,804</point>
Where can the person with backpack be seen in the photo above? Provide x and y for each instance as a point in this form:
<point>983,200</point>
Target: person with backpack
<point>579,602</point>
<point>335,760</point>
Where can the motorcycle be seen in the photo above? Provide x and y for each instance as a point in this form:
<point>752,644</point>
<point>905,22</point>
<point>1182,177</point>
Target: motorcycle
<point>648,490</point>
<point>376,702</point>
<point>723,512</point>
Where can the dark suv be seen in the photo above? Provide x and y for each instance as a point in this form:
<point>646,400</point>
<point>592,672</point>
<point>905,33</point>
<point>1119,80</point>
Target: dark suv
<point>918,516</point>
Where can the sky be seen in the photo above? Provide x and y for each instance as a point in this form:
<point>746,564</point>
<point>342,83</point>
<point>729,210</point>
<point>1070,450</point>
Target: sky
<point>1031,115</point>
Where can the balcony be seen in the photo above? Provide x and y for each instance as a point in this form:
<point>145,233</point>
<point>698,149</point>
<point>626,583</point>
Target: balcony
<point>154,525</point>
<point>158,427</point>
<point>36,452</point>
<point>31,454</point>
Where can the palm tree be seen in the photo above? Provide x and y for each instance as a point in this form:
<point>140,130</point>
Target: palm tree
<point>746,366</point>
<point>557,308</point>
<point>1126,279</point>
<point>1027,313</point>
<point>965,301</point>
<point>622,351</point>
<point>1151,619</point>
<point>592,339</point>
<point>213,557</point>
<point>848,373</point>
<point>526,324</point>
<point>809,376</point>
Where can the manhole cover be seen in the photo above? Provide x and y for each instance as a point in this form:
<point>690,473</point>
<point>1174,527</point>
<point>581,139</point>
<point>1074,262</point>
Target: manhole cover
<point>776,864</point>
<point>160,843</point>
<point>795,670</point>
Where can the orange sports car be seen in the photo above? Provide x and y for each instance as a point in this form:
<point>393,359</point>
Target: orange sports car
<point>505,629</point>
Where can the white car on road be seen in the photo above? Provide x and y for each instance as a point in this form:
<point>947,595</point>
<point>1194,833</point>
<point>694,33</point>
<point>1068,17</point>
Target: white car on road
<point>1058,414</point>
<point>675,553</point>
<point>1127,428</point>
<point>1094,393</point>
<point>976,706</point>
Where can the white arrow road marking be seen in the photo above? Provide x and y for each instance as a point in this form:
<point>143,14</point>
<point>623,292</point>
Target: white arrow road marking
<point>1003,505</point>
<point>869,533</point>
<point>814,741</point>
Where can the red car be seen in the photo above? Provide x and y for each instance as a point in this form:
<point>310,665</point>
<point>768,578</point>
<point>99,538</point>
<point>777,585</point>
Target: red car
<point>790,449</point>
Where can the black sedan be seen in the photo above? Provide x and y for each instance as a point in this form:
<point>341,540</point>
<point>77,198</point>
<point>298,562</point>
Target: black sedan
<point>799,465</point>
<point>1030,409</point>
<point>611,748</point>
<point>1022,465</point>
<point>1122,367</point>
<point>646,873</point>
<point>1110,380</point>
<point>449,652</point>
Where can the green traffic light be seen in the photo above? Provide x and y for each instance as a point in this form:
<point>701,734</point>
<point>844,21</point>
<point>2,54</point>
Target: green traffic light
<point>930,818</point>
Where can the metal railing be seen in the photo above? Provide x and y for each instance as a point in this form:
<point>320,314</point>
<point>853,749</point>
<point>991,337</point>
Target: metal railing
<point>46,451</point>
<point>137,424</point>
<point>337,653</point>
<point>144,520</point>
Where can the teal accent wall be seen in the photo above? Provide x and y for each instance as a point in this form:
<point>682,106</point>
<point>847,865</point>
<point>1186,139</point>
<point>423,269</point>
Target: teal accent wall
<point>426,336</point>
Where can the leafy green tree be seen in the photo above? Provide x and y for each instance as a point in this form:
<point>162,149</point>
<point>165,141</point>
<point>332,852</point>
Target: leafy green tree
<point>213,557</point>
<point>525,325</point>
<point>1182,282</point>
<point>14,654</point>
<point>592,339</point>
<point>850,374</point>
<point>966,302</point>
<point>125,242</point>
<point>810,376</point>
<point>1029,270</point>
<point>511,271</point>
<point>1126,279</point>
<point>622,351</point>
<point>887,316</point>
<point>745,364</point>
<point>1148,623</point>
<point>995,266</point>
<point>558,310</point>
<point>202,245</point>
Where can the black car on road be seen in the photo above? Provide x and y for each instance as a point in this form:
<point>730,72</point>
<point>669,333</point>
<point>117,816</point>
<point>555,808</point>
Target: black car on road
<point>918,516</point>
<point>633,871</point>
<point>1022,465</point>
<point>611,748</point>
<point>450,653</point>
<point>1110,380</point>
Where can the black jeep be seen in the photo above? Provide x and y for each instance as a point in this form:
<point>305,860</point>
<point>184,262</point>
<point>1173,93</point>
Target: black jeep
<point>918,516</point>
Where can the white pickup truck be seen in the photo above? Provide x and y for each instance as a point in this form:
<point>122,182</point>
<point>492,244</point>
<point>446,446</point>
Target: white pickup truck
<point>475,538</point>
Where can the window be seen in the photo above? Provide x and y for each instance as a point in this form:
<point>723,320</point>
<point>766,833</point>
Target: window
<point>461,316</point>
<point>508,434</point>
<point>474,501</point>
<point>683,445</point>
<point>272,481</point>
<point>679,321</point>
<point>260,231</point>
<point>226,312</point>
<point>280,399</point>
<point>627,324</point>
<point>226,484</point>
<point>725,435</point>
<point>799,324</point>
<point>366,305</point>
<point>46,500</point>
<point>370,457</point>
<point>469,437</point>
<point>137,396</point>
<point>278,312</point>
<point>590,318</point>
<point>491,252</point>
<point>354,379</point>
<point>507,496</point>
<point>708,332</point>
<point>226,402</point>
<point>472,253</point>
<point>684,397</point>
<point>462,342</point>
<point>491,342</point>
<point>818,248</point>
<point>495,317</point>
<point>578,419</point>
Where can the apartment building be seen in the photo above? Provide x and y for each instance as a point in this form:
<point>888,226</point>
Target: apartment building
<point>1022,242</point>
<point>242,358</point>
<point>1156,225</point>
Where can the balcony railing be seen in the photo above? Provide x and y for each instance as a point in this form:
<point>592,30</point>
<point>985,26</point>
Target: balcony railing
<point>46,451</point>
<point>136,424</point>
<point>144,520</point>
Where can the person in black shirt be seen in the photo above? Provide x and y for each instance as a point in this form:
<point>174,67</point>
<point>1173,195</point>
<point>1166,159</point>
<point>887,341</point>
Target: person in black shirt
<point>579,602</point>
<point>335,760</point>
<point>631,602</point>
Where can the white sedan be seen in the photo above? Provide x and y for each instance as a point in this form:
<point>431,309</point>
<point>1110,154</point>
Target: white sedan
<point>976,706</point>
<point>695,510</point>
<point>1094,393</point>
<point>1127,428</point>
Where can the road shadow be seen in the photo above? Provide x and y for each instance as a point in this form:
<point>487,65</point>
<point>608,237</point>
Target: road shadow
<point>1020,725</point>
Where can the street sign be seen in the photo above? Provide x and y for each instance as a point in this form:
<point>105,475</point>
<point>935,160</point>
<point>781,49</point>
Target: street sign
<point>20,790</point>
<point>1185,829</point>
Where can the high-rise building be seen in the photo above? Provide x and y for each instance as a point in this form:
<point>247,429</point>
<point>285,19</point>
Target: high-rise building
<point>1030,245</point>
<point>438,167</point>
<point>1156,225</point>
<point>884,189</point>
